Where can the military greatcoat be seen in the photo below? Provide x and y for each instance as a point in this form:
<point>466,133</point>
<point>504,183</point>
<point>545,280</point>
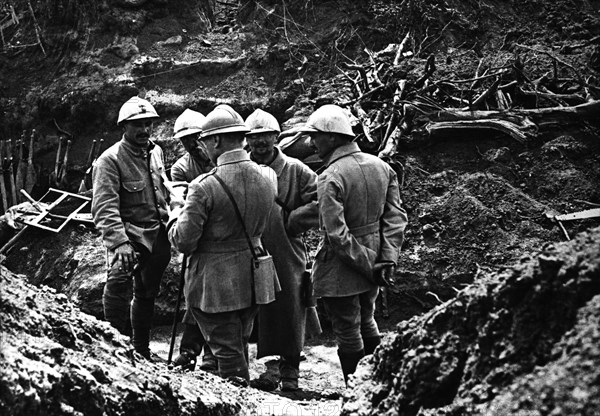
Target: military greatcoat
<point>218,274</point>
<point>281,324</point>
<point>361,219</point>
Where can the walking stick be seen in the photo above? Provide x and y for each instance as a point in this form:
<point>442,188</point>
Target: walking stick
<point>177,304</point>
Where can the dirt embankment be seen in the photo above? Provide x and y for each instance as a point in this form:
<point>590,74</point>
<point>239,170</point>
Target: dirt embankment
<point>476,204</point>
<point>56,360</point>
<point>524,339</point>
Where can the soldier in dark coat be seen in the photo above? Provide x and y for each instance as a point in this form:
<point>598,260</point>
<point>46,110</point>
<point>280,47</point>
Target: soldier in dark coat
<point>281,324</point>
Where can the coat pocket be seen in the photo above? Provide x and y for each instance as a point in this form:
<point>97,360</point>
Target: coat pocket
<point>133,193</point>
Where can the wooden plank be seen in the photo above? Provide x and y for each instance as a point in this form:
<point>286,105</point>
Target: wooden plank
<point>588,213</point>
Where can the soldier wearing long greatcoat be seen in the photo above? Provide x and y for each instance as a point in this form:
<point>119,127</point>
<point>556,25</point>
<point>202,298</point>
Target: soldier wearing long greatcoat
<point>281,324</point>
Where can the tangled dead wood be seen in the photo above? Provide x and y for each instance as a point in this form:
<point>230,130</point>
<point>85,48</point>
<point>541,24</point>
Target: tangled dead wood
<point>393,102</point>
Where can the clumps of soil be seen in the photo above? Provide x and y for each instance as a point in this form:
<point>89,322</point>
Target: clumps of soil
<point>56,360</point>
<point>522,339</point>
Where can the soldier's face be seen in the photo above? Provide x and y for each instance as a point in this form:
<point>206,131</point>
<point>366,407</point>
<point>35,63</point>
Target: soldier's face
<point>261,143</point>
<point>195,147</point>
<point>322,142</point>
<point>138,131</point>
<point>210,143</point>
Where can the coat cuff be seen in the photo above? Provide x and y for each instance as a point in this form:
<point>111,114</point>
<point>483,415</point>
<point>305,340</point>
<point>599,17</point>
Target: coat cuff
<point>175,213</point>
<point>114,246</point>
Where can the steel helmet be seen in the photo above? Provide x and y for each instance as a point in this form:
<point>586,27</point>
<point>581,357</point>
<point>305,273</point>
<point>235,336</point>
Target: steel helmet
<point>262,122</point>
<point>329,118</point>
<point>223,119</point>
<point>189,122</point>
<point>136,108</point>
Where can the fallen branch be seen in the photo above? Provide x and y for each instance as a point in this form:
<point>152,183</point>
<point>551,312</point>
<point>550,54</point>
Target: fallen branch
<point>362,97</point>
<point>479,101</point>
<point>362,71</point>
<point>364,121</point>
<point>503,126</point>
<point>401,48</point>
<point>542,117</point>
<point>429,70</point>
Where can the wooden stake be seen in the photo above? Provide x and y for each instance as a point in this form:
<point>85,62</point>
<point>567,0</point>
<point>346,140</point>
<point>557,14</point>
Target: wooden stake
<point>36,27</point>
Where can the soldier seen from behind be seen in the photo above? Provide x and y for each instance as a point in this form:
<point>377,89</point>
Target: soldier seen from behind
<point>362,223</point>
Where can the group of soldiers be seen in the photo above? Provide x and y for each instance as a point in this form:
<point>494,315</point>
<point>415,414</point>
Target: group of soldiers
<point>224,208</point>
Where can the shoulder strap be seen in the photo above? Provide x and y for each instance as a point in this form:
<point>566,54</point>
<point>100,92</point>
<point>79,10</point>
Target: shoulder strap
<point>238,213</point>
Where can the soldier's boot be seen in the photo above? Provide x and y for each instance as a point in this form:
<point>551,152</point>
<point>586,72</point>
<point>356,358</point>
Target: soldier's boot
<point>209,361</point>
<point>235,370</point>
<point>189,347</point>
<point>289,370</point>
<point>348,361</point>
<point>142,311</point>
<point>371,343</point>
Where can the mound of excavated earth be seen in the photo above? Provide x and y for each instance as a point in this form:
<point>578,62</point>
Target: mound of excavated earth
<point>56,360</point>
<point>522,341</point>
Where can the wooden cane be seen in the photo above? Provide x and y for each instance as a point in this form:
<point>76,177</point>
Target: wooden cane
<point>177,304</point>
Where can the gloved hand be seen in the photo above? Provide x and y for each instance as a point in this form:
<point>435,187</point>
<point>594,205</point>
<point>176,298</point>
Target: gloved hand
<point>125,258</point>
<point>383,273</point>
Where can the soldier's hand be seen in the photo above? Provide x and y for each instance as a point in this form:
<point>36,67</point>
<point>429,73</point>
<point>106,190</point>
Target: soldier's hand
<point>177,191</point>
<point>383,273</point>
<point>125,258</point>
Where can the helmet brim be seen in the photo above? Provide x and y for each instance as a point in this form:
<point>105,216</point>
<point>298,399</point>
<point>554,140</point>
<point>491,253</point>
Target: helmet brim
<point>139,117</point>
<point>186,132</point>
<point>308,129</point>
<point>263,130</point>
<point>224,130</point>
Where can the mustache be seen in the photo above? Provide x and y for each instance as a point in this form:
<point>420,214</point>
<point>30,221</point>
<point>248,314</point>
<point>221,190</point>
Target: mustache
<point>142,135</point>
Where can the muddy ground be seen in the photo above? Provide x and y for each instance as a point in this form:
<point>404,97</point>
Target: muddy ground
<point>477,203</point>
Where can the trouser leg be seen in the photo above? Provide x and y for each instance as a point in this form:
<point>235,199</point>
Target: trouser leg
<point>227,335</point>
<point>345,314</point>
<point>116,297</point>
<point>192,339</point>
<point>146,285</point>
<point>289,371</point>
<point>142,312</point>
<point>368,326</point>
<point>209,361</point>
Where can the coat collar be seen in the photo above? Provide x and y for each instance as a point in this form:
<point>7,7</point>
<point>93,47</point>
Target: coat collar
<point>233,156</point>
<point>137,150</point>
<point>277,163</point>
<point>340,152</point>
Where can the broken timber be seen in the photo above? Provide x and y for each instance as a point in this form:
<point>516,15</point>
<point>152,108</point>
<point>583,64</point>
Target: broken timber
<point>519,124</point>
<point>588,213</point>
